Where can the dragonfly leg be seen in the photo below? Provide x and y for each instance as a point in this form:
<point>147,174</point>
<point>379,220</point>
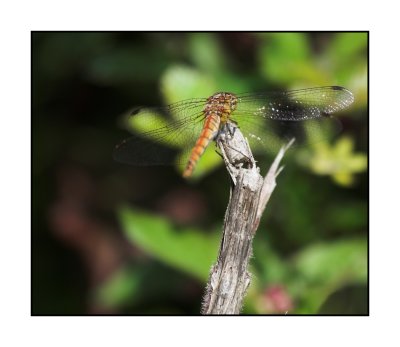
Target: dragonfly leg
<point>245,160</point>
<point>231,127</point>
<point>239,158</point>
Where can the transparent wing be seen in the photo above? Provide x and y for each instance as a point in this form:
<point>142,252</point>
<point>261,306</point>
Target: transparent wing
<point>162,136</point>
<point>167,135</point>
<point>295,105</point>
<point>269,120</point>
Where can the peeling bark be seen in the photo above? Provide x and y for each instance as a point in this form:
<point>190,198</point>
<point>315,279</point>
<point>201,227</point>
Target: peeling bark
<point>250,192</point>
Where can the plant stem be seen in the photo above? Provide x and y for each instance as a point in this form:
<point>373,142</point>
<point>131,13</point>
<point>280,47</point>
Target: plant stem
<point>229,277</point>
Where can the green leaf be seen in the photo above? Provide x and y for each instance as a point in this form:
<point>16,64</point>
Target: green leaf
<point>186,249</point>
<point>270,268</point>
<point>339,160</point>
<point>146,122</point>
<point>324,268</point>
<point>345,47</point>
<point>120,288</point>
<point>334,264</point>
<point>206,52</point>
<point>180,82</point>
<point>286,57</point>
<point>293,46</point>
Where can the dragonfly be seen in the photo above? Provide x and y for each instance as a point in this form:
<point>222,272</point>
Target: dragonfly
<point>180,133</point>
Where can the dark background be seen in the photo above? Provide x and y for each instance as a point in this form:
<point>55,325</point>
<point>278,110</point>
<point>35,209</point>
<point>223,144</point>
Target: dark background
<point>110,238</point>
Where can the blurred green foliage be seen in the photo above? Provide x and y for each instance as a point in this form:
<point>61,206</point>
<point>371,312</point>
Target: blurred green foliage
<point>339,160</point>
<point>310,252</point>
<point>119,289</point>
<point>188,250</point>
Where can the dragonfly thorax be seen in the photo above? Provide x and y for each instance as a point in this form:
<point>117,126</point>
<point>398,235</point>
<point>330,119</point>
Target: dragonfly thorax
<point>221,104</point>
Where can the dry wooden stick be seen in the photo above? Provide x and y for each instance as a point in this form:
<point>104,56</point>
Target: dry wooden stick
<point>229,277</point>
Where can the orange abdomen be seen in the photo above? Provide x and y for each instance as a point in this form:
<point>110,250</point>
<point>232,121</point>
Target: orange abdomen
<point>210,129</point>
